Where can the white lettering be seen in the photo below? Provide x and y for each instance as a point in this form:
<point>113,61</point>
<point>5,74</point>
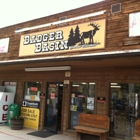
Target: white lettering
<point>45,48</point>
<point>38,47</point>
<point>45,37</point>
<point>39,38</point>
<point>26,40</point>
<point>51,37</point>
<point>59,35</point>
<point>52,46</point>
<point>33,39</point>
<point>57,46</point>
<point>64,45</point>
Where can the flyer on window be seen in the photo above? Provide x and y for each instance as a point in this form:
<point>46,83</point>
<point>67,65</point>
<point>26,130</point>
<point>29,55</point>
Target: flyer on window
<point>73,108</point>
<point>90,103</point>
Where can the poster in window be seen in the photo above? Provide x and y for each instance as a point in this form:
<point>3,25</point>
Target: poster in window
<point>73,108</point>
<point>90,103</point>
<point>52,95</point>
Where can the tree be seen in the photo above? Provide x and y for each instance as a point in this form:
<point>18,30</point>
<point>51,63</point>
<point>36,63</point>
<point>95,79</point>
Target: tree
<point>77,35</point>
<point>71,39</point>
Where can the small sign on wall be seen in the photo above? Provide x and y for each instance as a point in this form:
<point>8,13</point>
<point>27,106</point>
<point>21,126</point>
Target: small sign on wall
<point>134,24</point>
<point>4,44</point>
<point>42,96</point>
<point>67,74</point>
<point>66,82</point>
<point>101,100</point>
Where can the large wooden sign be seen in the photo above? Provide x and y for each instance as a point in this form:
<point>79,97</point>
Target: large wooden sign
<point>84,36</point>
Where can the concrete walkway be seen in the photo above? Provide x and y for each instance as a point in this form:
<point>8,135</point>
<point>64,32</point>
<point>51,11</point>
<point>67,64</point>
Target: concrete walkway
<point>7,134</point>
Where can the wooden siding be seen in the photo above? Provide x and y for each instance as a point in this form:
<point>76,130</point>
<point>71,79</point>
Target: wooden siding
<point>101,70</point>
<point>116,30</point>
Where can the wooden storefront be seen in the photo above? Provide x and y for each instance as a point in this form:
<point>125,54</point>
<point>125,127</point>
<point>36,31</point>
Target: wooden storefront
<point>117,61</point>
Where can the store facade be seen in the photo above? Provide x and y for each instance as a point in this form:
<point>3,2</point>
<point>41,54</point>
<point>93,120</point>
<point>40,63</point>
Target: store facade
<point>88,65</point>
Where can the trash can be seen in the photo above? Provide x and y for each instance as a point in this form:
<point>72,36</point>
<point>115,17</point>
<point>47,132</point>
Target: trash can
<point>13,111</point>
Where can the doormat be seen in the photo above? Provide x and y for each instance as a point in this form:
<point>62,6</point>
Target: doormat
<point>89,137</point>
<point>41,133</point>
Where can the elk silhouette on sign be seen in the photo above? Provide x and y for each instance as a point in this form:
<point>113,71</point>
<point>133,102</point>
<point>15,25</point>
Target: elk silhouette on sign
<point>90,34</point>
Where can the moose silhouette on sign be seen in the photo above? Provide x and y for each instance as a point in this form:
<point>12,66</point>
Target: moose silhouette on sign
<point>89,34</point>
<point>75,36</point>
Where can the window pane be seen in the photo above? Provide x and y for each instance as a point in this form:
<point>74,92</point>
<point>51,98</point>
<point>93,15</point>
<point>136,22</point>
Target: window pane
<point>32,91</point>
<point>82,100</point>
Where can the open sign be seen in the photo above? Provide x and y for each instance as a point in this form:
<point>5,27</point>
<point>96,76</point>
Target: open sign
<point>33,89</point>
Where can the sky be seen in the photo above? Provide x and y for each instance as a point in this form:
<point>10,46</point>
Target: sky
<point>18,11</point>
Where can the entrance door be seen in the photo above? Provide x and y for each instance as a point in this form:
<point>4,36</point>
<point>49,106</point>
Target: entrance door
<point>53,107</point>
<point>124,109</point>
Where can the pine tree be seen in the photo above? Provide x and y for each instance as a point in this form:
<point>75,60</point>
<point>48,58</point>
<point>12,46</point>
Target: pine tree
<point>77,35</point>
<point>71,39</point>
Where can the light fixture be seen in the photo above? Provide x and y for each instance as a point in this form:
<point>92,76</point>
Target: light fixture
<point>61,85</point>
<point>114,83</point>
<point>75,85</point>
<point>92,83</point>
<point>48,68</point>
<point>89,83</point>
<point>115,86</point>
<point>61,21</point>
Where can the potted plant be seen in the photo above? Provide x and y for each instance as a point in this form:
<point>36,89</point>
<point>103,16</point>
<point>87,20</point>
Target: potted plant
<point>16,122</point>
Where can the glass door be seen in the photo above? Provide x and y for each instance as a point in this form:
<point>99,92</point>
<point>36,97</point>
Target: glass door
<point>53,107</point>
<point>124,109</point>
<point>82,100</point>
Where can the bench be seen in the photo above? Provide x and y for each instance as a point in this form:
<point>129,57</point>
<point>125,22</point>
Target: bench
<point>136,131</point>
<point>93,124</point>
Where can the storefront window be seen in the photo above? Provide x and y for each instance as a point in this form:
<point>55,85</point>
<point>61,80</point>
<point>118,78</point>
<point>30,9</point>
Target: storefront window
<point>32,91</point>
<point>82,100</point>
<point>124,109</point>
